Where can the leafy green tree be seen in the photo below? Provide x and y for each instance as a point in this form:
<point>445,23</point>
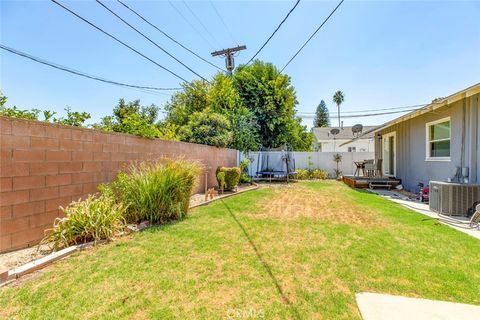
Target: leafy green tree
<point>338,98</point>
<point>132,118</point>
<point>245,131</point>
<point>223,98</point>
<point>322,118</point>
<point>299,138</point>
<point>193,98</point>
<point>3,99</point>
<point>218,97</point>
<point>270,96</point>
<point>73,118</point>
<point>207,127</point>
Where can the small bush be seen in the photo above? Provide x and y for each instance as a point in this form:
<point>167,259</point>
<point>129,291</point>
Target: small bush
<point>93,219</point>
<point>221,180</point>
<point>244,177</point>
<point>232,177</point>
<point>156,192</point>
<point>319,174</point>
<point>304,174</point>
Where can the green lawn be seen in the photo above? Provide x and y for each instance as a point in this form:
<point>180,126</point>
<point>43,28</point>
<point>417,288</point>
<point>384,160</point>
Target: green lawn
<point>301,251</point>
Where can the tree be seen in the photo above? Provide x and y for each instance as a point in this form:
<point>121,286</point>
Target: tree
<point>207,127</point>
<point>193,98</point>
<point>218,97</point>
<point>245,131</point>
<point>299,138</point>
<point>338,98</point>
<point>132,118</point>
<point>269,95</point>
<point>74,118</point>
<point>322,118</point>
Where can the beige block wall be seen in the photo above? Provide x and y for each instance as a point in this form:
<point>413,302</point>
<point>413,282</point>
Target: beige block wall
<point>44,166</point>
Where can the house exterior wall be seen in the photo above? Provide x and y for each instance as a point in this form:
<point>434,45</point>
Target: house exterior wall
<point>410,149</point>
<point>361,145</point>
<point>44,166</point>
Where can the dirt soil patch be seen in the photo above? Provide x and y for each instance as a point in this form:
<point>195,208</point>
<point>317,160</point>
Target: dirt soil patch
<point>290,202</point>
<point>17,258</point>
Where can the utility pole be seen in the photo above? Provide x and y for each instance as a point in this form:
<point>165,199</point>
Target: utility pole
<point>228,54</point>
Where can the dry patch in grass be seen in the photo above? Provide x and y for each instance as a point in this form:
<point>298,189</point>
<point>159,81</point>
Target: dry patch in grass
<point>300,202</point>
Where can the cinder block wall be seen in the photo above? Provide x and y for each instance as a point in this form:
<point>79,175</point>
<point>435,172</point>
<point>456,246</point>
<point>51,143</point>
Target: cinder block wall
<point>44,166</point>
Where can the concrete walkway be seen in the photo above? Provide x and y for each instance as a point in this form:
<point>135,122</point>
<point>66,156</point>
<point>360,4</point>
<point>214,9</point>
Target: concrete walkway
<point>424,209</point>
<point>375,306</point>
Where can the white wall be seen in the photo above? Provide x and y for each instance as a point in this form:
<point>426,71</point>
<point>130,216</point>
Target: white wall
<point>320,160</point>
<point>334,145</point>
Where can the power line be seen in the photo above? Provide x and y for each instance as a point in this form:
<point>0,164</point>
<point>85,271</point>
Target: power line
<point>381,109</point>
<point>201,23</point>
<point>313,34</point>
<point>169,37</point>
<point>118,40</point>
<point>362,115</point>
<point>190,24</point>
<point>79,73</point>
<point>275,31</point>
<point>150,40</point>
<point>223,21</point>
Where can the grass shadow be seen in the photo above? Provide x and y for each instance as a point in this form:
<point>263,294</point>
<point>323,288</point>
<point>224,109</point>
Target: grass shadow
<point>264,263</point>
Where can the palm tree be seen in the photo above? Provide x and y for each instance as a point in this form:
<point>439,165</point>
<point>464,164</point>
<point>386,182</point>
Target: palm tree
<point>338,98</point>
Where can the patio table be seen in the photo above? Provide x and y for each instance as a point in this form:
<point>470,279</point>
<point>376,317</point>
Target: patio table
<point>360,166</point>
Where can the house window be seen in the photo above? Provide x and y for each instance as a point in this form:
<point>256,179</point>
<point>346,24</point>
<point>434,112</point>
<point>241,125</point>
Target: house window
<point>352,149</point>
<point>438,139</point>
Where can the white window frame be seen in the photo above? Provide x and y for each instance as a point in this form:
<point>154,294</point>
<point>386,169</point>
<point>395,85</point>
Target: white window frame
<point>427,140</point>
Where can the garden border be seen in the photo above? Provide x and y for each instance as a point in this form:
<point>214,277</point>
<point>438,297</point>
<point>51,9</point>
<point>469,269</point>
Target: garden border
<point>8,276</point>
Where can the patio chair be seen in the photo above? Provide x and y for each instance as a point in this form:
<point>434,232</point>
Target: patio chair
<point>372,168</point>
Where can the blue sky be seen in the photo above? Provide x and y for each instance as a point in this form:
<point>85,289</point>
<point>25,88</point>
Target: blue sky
<point>379,53</point>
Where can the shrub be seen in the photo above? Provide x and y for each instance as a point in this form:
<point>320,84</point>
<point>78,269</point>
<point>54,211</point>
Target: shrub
<point>158,191</point>
<point>232,177</point>
<point>93,219</point>
<point>221,180</point>
<point>305,174</point>
<point>319,174</point>
<point>244,178</point>
<point>302,174</point>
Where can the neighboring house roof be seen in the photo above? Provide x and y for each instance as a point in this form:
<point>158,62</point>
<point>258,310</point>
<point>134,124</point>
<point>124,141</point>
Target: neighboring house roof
<point>436,104</point>
<point>323,133</point>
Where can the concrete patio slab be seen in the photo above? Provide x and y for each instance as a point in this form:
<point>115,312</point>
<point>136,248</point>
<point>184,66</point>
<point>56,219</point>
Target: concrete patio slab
<point>424,209</point>
<point>375,306</point>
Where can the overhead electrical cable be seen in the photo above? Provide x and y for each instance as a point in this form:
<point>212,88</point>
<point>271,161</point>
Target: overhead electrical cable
<point>118,40</point>
<point>168,36</point>
<point>149,40</point>
<point>201,23</point>
<point>313,34</point>
<point>190,24</point>
<point>362,115</point>
<point>381,109</point>
<point>223,21</point>
<point>79,73</point>
<point>275,31</point>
